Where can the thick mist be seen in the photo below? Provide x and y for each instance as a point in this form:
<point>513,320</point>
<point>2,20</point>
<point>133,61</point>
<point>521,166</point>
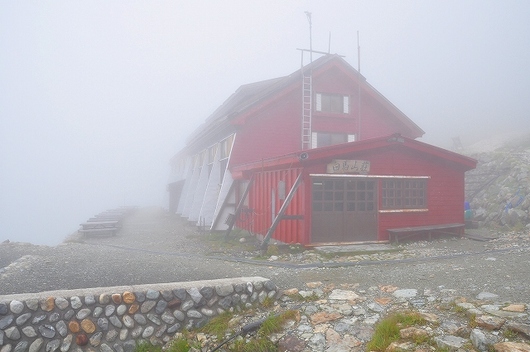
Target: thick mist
<point>95,97</point>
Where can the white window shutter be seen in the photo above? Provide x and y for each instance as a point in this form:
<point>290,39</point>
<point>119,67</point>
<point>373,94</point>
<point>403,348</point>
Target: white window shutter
<point>319,102</point>
<point>314,140</point>
<point>346,102</point>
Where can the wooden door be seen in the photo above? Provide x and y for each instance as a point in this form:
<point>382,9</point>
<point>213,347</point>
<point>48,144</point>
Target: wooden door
<point>344,209</point>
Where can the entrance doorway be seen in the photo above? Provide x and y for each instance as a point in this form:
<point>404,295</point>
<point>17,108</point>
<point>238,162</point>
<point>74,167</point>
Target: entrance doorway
<point>344,209</point>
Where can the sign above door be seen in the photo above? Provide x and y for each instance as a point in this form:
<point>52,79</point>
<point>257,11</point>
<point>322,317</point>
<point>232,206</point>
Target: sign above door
<point>348,166</point>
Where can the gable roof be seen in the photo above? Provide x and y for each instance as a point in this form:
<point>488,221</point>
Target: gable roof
<point>250,97</point>
<point>323,154</point>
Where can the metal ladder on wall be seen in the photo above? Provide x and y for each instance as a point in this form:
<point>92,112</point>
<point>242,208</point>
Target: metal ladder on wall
<point>307,105</point>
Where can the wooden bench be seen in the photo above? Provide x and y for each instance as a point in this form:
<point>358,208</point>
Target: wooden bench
<point>440,229</point>
<point>107,227</point>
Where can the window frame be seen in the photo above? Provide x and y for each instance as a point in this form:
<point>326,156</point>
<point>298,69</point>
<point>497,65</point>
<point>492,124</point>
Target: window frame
<point>225,148</point>
<point>325,102</point>
<point>315,138</point>
<point>404,193</point>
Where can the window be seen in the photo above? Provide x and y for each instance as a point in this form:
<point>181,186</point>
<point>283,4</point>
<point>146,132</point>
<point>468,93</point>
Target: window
<point>341,194</point>
<point>201,158</point>
<point>323,139</point>
<point>404,194</point>
<point>226,147</point>
<point>332,103</point>
<point>211,157</point>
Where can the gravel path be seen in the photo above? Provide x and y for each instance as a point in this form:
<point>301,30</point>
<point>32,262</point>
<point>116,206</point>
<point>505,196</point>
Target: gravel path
<point>154,247</point>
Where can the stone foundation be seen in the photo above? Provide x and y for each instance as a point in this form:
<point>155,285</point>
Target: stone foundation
<point>116,318</point>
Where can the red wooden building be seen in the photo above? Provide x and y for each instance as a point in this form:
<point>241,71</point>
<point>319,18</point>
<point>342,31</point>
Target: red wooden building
<point>325,108</point>
<point>355,192</point>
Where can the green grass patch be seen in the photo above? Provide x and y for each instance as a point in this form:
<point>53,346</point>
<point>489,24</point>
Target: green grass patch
<point>510,334</point>
<point>459,310</point>
<point>274,323</point>
<point>311,298</point>
<point>261,344</point>
<point>147,347</point>
<point>179,345</point>
<point>218,325</point>
<point>387,330</point>
<point>268,302</point>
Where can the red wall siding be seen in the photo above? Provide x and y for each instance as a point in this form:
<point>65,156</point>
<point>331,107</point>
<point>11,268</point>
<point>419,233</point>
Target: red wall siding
<point>445,192</point>
<point>375,122</point>
<point>445,188</point>
<point>276,130</point>
<point>273,131</point>
<point>260,203</point>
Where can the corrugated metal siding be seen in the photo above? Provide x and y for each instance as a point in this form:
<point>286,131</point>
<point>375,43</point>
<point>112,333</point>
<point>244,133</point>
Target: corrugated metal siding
<point>261,206</point>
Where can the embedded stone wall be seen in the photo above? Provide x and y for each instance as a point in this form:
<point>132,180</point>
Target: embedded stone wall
<point>116,318</point>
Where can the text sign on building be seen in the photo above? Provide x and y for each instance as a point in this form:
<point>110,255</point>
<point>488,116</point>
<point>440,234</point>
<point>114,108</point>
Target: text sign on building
<point>348,166</point>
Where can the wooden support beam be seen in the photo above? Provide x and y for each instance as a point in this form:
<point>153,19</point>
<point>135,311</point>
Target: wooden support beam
<point>233,220</point>
<point>283,208</point>
<point>225,204</point>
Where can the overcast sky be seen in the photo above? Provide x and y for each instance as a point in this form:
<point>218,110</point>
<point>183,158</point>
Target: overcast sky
<point>96,96</point>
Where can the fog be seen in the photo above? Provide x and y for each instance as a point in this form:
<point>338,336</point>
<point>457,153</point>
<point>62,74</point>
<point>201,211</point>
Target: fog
<point>96,96</point>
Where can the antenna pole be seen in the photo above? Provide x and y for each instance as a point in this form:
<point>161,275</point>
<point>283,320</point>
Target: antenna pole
<point>359,92</point>
<point>358,54</point>
<point>308,14</point>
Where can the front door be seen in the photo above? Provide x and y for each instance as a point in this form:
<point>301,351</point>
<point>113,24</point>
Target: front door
<point>344,209</point>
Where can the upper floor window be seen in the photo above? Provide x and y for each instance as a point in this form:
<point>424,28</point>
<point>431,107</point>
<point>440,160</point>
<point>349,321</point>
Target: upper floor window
<point>332,103</point>
<point>323,139</point>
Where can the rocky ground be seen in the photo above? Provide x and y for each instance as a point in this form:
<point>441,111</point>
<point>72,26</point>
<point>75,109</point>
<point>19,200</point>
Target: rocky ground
<point>453,281</point>
<point>499,188</point>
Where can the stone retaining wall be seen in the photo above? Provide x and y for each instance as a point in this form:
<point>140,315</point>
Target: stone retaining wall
<point>115,318</point>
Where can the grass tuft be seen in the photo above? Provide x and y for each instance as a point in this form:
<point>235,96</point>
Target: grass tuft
<point>387,331</point>
<point>261,344</point>
<point>147,347</point>
<point>179,345</point>
<point>218,325</point>
<point>274,323</point>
